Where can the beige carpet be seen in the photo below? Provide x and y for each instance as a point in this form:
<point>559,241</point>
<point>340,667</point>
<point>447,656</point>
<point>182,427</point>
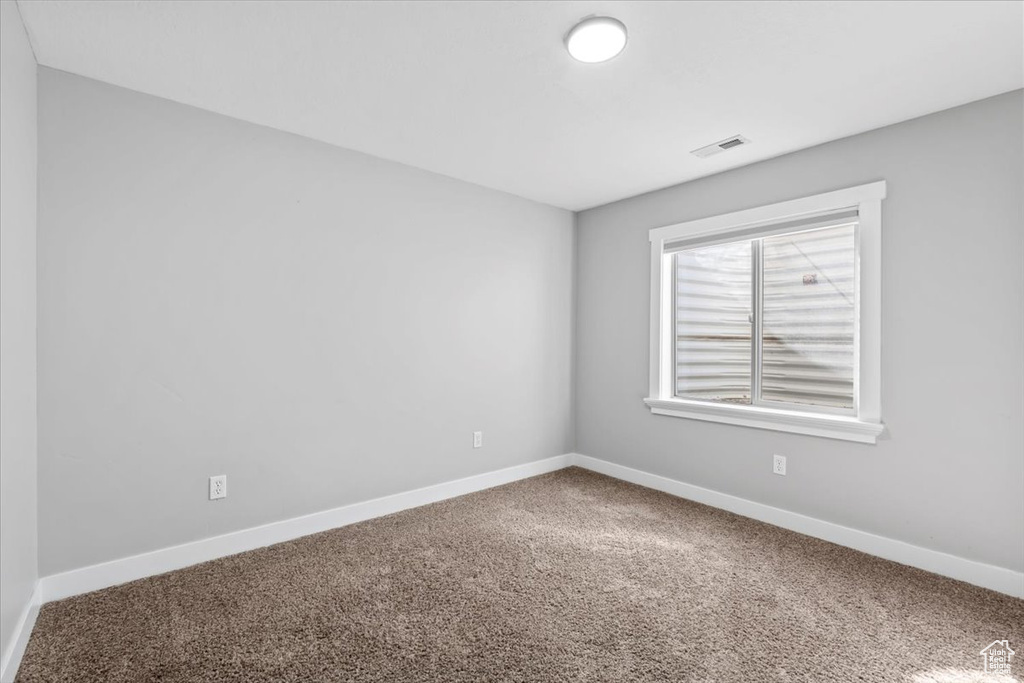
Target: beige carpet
<point>570,576</point>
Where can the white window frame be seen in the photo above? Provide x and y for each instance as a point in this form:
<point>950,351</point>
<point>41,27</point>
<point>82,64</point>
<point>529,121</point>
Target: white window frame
<point>865,424</point>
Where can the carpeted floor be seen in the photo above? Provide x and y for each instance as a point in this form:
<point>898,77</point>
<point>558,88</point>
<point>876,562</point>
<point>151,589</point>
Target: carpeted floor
<point>570,576</point>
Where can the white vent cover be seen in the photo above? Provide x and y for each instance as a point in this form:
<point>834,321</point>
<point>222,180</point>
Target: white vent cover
<point>720,146</point>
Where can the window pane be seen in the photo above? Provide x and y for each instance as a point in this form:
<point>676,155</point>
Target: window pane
<point>808,322</point>
<point>713,323</point>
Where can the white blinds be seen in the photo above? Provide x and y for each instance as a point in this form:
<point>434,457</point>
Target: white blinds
<point>809,316</point>
<point>713,322</point>
<point>805,283</point>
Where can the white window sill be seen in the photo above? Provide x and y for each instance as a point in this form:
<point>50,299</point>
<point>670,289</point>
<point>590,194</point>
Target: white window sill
<point>828,426</point>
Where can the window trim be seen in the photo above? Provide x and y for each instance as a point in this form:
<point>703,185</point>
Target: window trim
<point>866,424</point>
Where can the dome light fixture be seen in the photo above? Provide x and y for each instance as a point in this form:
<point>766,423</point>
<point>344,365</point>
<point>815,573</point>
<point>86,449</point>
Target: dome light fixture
<point>596,39</point>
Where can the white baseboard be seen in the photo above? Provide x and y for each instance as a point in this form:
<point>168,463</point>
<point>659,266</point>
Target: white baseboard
<point>97,576</point>
<point>977,573</point>
<point>16,648</point>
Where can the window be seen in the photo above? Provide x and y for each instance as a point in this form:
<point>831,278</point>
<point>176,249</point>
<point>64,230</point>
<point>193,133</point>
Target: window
<point>770,317</point>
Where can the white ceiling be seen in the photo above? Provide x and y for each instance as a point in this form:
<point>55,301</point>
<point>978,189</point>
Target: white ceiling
<point>485,92</point>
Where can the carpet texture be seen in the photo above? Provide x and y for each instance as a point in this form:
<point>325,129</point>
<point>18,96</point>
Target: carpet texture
<point>570,576</point>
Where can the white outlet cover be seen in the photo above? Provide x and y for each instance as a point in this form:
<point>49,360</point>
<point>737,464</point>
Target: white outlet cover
<point>779,464</point>
<point>219,487</point>
<point>478,439</point>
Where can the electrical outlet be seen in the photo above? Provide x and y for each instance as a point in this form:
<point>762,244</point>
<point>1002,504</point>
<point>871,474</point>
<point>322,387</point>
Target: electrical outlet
<point>779,465</point>
<point>219,487</point>
<point>478,439</point>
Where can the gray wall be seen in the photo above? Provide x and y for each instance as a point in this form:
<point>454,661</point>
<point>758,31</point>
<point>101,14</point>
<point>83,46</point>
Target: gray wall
<point>950,474</point>
<point>322,326</point>
<point>17,322</point>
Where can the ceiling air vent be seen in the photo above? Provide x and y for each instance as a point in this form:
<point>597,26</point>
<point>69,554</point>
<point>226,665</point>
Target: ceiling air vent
<point>720,146</point>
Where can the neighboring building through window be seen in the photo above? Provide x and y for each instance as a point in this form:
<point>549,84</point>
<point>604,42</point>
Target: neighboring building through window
<point>770,317</point>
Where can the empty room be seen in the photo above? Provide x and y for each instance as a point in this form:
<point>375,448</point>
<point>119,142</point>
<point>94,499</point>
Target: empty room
<point>430,341</point>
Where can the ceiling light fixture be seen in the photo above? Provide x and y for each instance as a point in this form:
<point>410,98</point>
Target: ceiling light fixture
<point>596,39</point>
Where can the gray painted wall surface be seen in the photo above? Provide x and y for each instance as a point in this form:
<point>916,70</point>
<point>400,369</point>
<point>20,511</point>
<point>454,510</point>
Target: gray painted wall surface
<point>949,475</point>
<point>322,326</point>
<point>17,322</point>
